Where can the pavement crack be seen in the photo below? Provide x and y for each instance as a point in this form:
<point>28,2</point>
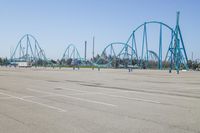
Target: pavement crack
<point>12,118</point>
<point>141,90</point>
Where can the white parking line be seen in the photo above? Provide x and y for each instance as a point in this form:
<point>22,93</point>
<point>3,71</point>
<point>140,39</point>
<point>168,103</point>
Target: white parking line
<point>88,92</point>
<point>30,101</point>
<point>75,90</point>
<point>27,97</point>
<point>68,96</point>
<point>130,98</point>
<point>83,93</point>
<point>8,97</point>
<point>117,96</point>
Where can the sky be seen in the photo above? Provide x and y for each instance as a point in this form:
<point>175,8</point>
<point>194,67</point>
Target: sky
<point>57,23</point>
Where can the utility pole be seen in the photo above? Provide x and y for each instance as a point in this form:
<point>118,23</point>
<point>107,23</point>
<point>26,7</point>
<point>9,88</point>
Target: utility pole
<point>85,50</point>
<point>192,56</point>
<point>93,47</point>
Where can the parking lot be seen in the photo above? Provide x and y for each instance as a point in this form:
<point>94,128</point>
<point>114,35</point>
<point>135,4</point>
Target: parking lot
<point>47,100</point>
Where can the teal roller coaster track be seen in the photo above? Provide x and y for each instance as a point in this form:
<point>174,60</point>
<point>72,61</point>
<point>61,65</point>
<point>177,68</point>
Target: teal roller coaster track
<point>124,54</point>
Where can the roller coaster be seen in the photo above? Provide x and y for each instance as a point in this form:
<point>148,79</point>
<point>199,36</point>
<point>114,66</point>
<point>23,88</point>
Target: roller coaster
<point>28,50</point>
<point>71,56</point>
<point>126,54</point>
<point>137,51</point>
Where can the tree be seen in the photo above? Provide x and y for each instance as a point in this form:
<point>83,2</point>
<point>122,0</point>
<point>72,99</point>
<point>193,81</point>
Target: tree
<point>69,61</point>
<point>1,61</point>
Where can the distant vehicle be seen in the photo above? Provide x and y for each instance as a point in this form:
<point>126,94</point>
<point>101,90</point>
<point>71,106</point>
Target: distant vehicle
<point>21,64</point>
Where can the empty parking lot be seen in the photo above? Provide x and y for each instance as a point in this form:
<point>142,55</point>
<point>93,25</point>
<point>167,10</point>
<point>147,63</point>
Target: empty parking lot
<point>46,100</point>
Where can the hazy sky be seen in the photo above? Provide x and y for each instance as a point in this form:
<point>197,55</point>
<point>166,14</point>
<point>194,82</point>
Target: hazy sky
<point>57,23</point>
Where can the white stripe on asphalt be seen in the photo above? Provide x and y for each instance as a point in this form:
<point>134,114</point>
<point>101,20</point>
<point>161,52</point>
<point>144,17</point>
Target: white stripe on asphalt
<point>130,98</point>
<point>68,96</point>
<point>30,101</point>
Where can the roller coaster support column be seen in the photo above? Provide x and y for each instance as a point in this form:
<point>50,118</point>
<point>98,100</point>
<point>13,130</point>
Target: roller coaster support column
<point>160,49</point>
<point>134,47</point>
<point>177,45</point>
<point>178,55</point>
<point>144,46</point>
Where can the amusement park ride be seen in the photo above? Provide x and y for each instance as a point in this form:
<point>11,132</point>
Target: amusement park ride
<point>28,50</point>
<point>124,54</point>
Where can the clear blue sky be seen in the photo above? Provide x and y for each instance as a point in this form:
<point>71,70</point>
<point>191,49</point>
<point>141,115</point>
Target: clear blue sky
<point>57,23</point>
